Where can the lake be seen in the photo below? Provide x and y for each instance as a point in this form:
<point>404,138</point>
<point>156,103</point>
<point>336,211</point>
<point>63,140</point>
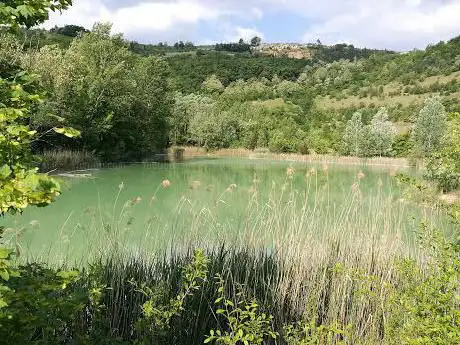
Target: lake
<point>205,201</point>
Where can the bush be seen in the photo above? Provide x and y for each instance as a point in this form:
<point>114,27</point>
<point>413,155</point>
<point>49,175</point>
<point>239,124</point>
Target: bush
<point>443,166</point>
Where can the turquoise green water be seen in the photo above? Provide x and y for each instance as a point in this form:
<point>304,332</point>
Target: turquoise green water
<point>209,200</point>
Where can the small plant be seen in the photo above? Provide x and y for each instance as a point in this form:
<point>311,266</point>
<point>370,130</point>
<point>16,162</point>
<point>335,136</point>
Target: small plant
<point>245,323</point>
<point>425,307</point>
<point>157,317</point>
<point>309,333</point>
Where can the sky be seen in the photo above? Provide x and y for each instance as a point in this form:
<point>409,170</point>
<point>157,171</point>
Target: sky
<point>399,25</point>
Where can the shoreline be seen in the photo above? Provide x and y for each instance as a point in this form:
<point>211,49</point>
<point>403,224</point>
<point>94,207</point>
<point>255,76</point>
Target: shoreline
<point>194,152</point>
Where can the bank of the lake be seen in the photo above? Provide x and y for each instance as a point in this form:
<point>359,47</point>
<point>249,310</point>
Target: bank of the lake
<point>190,152</point>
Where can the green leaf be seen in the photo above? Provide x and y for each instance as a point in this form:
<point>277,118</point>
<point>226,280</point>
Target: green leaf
<point>5,253</point>
<point>4,274</point>
<point>67,131</point>
<point>5,171</point>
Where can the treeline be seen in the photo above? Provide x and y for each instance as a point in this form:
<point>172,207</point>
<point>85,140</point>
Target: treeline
<point>189,72</point>
<point>238,47</point>
<point>161,48</point>
<point>129,106</point>
<point>345,51</point>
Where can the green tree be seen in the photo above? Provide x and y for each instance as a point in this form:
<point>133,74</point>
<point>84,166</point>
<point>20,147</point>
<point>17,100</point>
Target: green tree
<point>212,85</point>
<point>353,136</point>
<point>443,166</point>
<point>382,133</point>
<point>120,100</point>
<point>256,41</point>
<point>20,183</point>
<point>378,137</point>
<point>429,128</point>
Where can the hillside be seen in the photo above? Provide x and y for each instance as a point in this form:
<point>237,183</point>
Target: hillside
<point>286,97</point>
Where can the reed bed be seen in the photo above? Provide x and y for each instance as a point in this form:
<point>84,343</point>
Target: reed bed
<point>60,160</point>
<point>295,157</point>
<point>299,257</point>
<point>302,257</point>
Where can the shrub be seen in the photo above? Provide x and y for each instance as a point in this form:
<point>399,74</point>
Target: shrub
<point>443,166</point>
<point>425,307</point>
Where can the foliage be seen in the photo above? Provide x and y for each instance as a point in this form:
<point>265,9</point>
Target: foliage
<point>375,139</point>
<point>380,135</point>
<point>425,308</point>
<point>245,324</point>
<point>238,47</point>
<point>429,128</point>
<point>14,13</point>
<point>120,101</point>
<point>69,30</point>
<point>156,317</point>
<point>256,41</point>
<point>443,166</point>
<point>212,84</point>
<point>20,183</point>
<point>39,302</point>
<point>353,135</point>
<point>189,72</point>
<point>310,333</point>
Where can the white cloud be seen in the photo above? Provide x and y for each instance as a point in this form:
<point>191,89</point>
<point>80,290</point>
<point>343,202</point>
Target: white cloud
<point>257,12</point>
<point>157,16</point>
<point>392,25</point>
<point>245,33</point>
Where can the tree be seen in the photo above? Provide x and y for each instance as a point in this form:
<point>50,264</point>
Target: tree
<point>69,30</point>
<point>213,85</point>
<point>205,124</point>
<point>430,128</point>
<point>353,136</point>
<point>120,101</point>
<point>20,183</point>
<point>443,166</point>
<point>378,136</point>
<point>15,13</point>
<point>183,111</point>
<point>256,41</point>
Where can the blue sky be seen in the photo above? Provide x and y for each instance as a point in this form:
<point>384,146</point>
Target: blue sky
<point>393,24</point>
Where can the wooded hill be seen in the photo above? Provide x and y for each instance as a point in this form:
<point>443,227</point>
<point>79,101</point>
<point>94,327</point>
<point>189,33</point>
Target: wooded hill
<point>218,98</point>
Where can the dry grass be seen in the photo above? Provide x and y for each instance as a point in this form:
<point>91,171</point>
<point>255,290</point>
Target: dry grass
<point>405,100</point>
<point>296,251</point>
<point>191,152</point>
<point>297,254</point>
<point>68,160</point>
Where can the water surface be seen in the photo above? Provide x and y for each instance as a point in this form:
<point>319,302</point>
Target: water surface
<point>156,206</point>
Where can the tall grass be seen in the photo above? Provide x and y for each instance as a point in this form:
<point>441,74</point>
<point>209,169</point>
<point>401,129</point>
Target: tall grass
<point>299,254</point>
<point>263,153</point>
<point>68,160</point>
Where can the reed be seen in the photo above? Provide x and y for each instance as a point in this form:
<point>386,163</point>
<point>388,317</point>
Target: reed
<point>299,254</point>
<point>263,153</point>
<point>65,160</point>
